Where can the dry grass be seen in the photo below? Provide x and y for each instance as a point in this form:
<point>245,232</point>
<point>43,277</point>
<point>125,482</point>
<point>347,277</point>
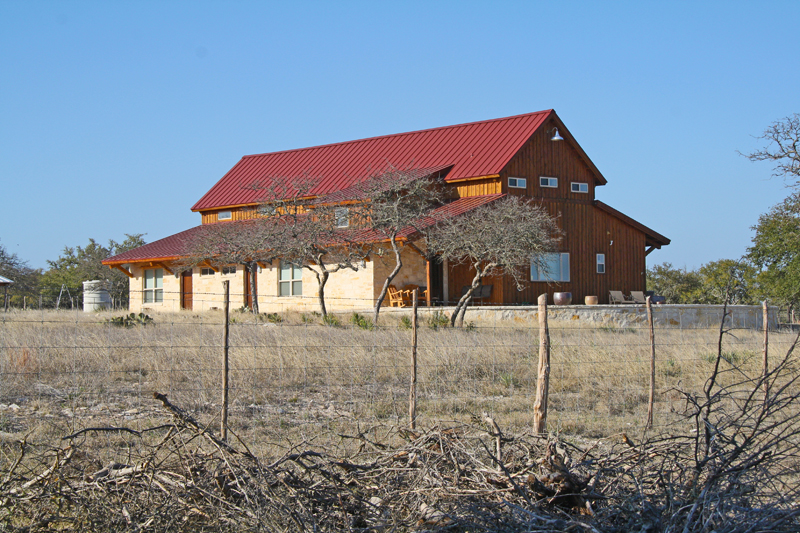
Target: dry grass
<point>299,386</point>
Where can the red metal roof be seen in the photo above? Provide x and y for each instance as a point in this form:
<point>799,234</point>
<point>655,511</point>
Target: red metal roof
<point>473,149</point>
<point>178,246</point>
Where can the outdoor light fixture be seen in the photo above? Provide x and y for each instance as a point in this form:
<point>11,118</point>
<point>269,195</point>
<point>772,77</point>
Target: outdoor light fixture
<point>556,137</point>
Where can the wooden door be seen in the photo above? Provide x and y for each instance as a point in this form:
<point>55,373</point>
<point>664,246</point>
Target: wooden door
<point>248,290</point>
<point>186,290</point>
<point>436,282</point>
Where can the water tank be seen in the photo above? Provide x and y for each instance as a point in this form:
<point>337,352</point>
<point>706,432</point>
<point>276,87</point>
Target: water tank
<point>96,296</point>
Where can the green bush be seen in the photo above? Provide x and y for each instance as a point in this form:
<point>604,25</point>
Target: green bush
<point>437,320</point>
<point>128,321</point>
<point>361,321</point>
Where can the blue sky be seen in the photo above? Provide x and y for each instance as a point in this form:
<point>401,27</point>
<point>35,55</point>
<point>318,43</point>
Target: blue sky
<point>116,117</point>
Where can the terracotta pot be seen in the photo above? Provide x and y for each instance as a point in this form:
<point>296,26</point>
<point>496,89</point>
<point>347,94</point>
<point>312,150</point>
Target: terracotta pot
<point>590,300</point>
<point>562,298</point>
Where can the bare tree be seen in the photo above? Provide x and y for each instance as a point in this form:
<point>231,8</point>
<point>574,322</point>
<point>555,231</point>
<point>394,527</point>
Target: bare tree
<point>500,238</point>
<point>783,137</point>
<point>245,242</point>
<point>391,206</point>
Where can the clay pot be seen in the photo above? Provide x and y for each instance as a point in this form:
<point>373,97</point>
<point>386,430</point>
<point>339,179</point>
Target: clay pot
<point>590,300</point>
<point>562,298</point>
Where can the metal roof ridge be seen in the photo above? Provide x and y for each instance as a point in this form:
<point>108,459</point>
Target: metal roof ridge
<point>399,134</point>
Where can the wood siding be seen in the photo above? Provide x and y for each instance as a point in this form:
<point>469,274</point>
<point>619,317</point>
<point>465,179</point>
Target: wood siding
<point>588,231</point>
<point>476,188</point>
<point>238,213</point>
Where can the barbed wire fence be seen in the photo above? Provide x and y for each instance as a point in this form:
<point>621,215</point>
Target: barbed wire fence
<point>293,375</point>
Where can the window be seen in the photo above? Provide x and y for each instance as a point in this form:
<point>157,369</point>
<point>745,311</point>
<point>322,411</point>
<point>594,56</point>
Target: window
<point>580,187</point>
<point>228,270</point>
<point>548,182</point>
<point>552,267</point>
<point>153,285</point>
<point>342,215</point>
<point>224,215</point>
<point>601,263</point>
<point>290,282</point>
<point>518,183</point>
<point>206,271</point>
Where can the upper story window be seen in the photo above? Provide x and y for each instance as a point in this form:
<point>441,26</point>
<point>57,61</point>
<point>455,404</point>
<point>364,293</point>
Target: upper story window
<point>342,215</point>
<point>290,280</point>
<point>206,271</point>
<point>153,285</point>
<point>228,270</point>
<point>580,187</point>
<point>544,181</point>
<point>224,215</point>
<point>518,183</point>
<point>551,267</point>
<point>601,263</point>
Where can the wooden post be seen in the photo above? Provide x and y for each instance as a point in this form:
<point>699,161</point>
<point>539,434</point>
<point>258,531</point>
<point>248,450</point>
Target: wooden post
<point>223,430</point>
<point>765,324</point>
<point>652,398</point>
<point>428,281</point>
<point>543,381</point>
<point>5,298</point>
<point>412,394</point>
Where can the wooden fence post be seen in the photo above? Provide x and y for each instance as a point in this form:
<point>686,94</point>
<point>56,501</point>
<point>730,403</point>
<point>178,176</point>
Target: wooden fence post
<point>223,429</point>
<point>652,397</point>
<point>765,325</point>
<point>412,395</point>
<point>543,381</point>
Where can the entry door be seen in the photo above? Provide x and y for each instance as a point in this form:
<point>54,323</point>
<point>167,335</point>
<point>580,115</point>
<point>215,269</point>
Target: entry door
<point>437,281</point>
<point>248,290</point>
<point>186,290</point>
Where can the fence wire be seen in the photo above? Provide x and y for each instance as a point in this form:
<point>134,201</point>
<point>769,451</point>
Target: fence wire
<point>293,374</point>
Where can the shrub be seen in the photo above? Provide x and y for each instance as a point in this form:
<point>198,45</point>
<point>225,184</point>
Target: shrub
<point>128,321</point>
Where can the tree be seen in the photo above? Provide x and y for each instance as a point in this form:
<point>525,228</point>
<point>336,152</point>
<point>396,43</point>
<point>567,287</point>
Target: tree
<point>727,278</point>
<point>783,138</point>
<point>79,264</point>
<point>26,279</point>
<point>392,204</point>
<point>500,238</point>
<point>677,286</point>
<point>776,251</point>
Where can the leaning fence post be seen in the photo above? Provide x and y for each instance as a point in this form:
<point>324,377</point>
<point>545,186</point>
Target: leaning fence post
<point>412,394</point>
<point>765,325</point>
<point>543,381</point>
<point>223,430</point>
<point>652,397</point>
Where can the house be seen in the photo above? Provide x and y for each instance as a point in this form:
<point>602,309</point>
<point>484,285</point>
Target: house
<point>532,155</point>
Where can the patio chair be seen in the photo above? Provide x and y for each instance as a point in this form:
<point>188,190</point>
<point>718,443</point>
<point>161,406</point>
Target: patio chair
<point>616,297</point>
<point>398,298</point>
<point>638,297</point>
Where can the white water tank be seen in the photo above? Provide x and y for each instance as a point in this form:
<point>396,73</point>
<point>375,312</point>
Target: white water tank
<point>96,296</point>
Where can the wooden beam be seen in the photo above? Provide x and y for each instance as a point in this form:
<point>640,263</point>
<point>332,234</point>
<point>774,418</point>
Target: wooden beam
<point>165,267</point>
<point>123,270</point>
<point>649,250</point>
<point>212,267</point>
<point>262,264</point>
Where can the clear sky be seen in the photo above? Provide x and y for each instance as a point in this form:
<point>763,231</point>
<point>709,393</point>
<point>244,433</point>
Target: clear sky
<point>116,117</point>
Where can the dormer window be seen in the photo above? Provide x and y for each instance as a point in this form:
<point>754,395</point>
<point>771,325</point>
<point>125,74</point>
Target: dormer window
<point>342,215</point>
<point>580,187</point>
<point>224,215</point>
<point>518,183</point>
<point>552,183</point>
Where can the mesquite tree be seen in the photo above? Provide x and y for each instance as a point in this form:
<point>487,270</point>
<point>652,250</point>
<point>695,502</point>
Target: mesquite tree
<point>503,237</point>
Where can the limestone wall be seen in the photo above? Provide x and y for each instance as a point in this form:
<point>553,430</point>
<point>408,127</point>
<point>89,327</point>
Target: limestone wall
<point>664,316</point>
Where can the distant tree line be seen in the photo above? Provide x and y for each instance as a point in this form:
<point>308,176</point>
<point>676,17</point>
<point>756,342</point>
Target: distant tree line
<point>65,275</point>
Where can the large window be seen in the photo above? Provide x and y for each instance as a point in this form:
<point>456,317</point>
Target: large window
<point>551,267</point>
<point>290,282</point>
<point>580,187</point>
<point>154,285</point>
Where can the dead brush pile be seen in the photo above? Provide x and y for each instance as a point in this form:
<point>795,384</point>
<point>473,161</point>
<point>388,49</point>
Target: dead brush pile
<point>732,468</point>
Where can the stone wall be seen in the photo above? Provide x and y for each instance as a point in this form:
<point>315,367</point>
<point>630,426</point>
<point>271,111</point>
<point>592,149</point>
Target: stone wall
<point>664,316</point>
